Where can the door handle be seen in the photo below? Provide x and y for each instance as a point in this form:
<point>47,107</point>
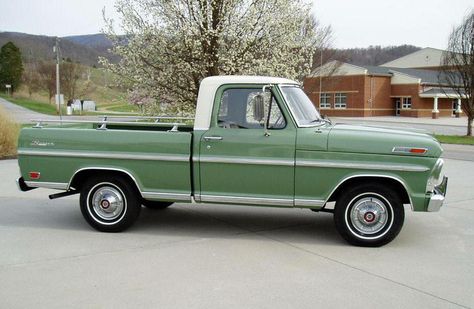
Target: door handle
<point>213,138</point>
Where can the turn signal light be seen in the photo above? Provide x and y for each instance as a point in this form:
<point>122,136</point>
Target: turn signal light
<point>35,175</point>
<point>418,150</point>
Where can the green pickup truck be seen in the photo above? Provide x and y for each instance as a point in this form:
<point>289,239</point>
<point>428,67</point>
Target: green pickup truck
<point>256,141</point>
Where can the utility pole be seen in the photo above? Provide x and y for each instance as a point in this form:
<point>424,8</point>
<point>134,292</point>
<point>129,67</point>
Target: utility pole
<point>58,93</point>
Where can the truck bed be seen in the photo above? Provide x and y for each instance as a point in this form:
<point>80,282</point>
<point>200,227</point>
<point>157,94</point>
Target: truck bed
<point>59,151</point>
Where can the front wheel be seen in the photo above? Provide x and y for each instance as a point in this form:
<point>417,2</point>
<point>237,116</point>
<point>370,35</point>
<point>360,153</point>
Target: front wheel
<point>109,203</point>
<point>369,215</point>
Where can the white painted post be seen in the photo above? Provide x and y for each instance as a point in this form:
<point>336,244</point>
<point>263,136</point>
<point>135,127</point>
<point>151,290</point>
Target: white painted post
<point>435,111</point>
<point>458,107</point>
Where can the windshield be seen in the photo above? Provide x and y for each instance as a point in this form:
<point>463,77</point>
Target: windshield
<point>301,106</point>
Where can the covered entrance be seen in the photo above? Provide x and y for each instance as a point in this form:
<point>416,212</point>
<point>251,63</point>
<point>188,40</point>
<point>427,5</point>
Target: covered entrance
<point>437,93</point>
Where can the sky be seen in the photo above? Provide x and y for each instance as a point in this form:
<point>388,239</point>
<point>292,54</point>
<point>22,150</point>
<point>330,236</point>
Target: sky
<point>356,23</point>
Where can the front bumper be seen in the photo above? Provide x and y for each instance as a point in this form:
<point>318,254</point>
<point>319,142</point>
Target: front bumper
<point>437,197</point>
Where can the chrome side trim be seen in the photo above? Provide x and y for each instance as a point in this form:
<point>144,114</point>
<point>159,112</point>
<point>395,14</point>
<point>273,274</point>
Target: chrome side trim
<point>372,176</point>
<point>48,185</point>
<point>167,196</point>
<point>366,166</point>
<point>237,160</point>
<point>106,155</point>
<point>403,149</point>
<point>246,200</point>
<point>309,203</point>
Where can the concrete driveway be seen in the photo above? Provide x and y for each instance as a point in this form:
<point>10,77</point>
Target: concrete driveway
<point>215,256</point>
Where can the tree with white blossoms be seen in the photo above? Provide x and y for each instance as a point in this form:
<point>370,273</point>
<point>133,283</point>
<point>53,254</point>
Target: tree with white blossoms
<point>169,46</point>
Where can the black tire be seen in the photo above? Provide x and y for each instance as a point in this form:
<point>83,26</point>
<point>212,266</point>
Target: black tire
<point>109,203</point>
<point>369,215</point>
<point>156,205</point>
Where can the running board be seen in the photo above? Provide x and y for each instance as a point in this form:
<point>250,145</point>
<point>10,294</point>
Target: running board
<point>63,194</point>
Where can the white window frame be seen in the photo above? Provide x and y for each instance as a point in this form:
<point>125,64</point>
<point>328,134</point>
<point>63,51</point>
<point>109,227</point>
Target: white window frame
<point>326,104</point>
<point>406,103</point>
<point>338,104</point>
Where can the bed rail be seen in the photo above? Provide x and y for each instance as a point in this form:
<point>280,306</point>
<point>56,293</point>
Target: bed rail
<point>103,121</point>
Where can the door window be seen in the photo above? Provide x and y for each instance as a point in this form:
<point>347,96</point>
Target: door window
<point>236,110</point>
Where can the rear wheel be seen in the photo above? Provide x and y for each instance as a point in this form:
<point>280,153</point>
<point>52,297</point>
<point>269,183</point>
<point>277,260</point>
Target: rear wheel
<point>156,205</point>
<point>369,215</point>
<point>109,203</point>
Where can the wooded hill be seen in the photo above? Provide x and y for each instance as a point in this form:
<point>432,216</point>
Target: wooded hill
<point>87,48</point>
<point>84,49</point>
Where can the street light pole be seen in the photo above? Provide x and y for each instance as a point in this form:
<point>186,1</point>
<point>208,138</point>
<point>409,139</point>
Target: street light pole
<point>58,93</point>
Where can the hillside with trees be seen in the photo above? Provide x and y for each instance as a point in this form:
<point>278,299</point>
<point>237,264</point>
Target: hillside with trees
<point>373,55</point>
<point>87,48</point>
<point>36,48</point>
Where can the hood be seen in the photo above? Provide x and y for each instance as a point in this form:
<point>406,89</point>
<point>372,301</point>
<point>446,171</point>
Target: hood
<point>380,140</point>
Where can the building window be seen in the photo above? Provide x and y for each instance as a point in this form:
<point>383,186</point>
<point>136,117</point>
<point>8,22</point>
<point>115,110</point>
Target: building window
<point>324,100</point>
<point>406,103</point>
<point>340,100</point>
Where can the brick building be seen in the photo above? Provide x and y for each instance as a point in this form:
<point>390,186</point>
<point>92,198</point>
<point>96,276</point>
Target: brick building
<point>407,86</point>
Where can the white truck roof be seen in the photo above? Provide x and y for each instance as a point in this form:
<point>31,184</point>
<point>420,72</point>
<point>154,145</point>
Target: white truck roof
<point>208,89</point>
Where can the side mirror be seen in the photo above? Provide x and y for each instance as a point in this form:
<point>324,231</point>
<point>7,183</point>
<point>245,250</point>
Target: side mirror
<point>258,108</point>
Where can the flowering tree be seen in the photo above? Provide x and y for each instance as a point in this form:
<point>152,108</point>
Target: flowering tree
<point>169,46</point>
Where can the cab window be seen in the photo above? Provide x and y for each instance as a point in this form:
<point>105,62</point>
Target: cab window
<point>237,110</point>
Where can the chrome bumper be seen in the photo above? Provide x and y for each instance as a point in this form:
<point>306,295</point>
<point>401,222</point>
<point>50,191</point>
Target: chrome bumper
<point>437,197</point>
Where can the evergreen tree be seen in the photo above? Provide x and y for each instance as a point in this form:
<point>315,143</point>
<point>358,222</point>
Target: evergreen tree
<point>11,66</point>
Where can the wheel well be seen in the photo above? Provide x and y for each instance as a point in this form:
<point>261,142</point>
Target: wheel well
<point>383,181</point>
<point>79,179</point>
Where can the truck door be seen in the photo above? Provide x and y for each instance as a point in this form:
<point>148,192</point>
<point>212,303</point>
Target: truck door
<point>239,161</point>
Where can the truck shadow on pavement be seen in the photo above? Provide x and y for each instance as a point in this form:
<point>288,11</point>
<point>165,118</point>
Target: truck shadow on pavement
<point>215,221</point>
<point>186,220</point>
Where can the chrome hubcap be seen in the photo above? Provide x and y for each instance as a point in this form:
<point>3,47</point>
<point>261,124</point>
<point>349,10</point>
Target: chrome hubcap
<point>108,203</point>
<point>369,215</point>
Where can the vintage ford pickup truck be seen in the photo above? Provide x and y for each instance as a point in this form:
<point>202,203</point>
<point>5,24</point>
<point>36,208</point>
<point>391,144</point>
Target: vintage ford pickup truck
<point>256,141</point>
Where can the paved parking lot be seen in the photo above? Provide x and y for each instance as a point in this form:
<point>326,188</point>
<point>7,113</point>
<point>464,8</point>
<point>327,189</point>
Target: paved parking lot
<point>214,256</point>
<point>443,125</point>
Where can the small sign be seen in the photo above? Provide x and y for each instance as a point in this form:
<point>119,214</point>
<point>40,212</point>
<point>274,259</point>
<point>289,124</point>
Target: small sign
<point>8,86</point>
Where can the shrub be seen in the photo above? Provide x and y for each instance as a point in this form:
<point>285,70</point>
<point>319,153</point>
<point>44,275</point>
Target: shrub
<point>8,135</point>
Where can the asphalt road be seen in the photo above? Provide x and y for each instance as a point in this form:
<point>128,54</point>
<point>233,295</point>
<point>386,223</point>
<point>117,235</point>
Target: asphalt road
<point>215,256</point>
<point>21,114</point>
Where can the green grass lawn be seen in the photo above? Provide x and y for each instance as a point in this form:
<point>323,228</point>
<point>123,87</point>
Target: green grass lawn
<point>455,139</point>
<point>36,106</point>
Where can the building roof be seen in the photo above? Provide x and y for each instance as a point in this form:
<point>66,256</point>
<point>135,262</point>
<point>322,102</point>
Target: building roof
<point>424,58</point>
<point>443,92</point>
<point>341,68</point>
<point>426,76</point>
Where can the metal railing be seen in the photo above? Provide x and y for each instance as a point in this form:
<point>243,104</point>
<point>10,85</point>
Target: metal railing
<point>129,120</point>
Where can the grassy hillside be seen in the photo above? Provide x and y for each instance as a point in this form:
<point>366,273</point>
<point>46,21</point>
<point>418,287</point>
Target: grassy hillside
<point>95,84</point>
